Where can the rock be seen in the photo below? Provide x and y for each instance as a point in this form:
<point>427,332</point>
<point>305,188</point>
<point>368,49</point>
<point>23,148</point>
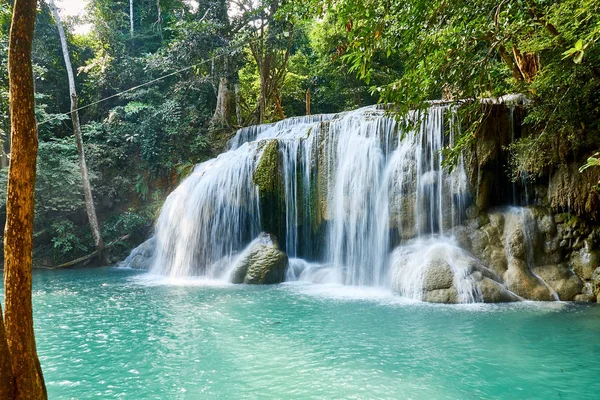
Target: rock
<point>472,212</point>
<point>516,242</point>
<point>584,262</point>
<point>439,272</point>
<point>546,225</point>
<point>560,218</point>
<point>560,278</point>
<point>585,298</point>
<point>438,276</point>
<point>261,262</point>
<point>268,177</point>
<point>519,279</point>
<point>141,257</point>
<point>596,280</point>
<point>494,292</point>
<point>441,296</point>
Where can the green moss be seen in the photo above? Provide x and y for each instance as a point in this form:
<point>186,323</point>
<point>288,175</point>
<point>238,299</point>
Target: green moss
<point>267,169</point>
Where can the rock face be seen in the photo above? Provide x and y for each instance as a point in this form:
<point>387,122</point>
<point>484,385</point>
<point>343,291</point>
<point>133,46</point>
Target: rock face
<point>262,262</point>
<point>141,257</point>
<point>540,256</point>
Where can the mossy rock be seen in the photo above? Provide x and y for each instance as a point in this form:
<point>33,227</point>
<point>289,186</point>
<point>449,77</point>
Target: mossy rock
<point>268,176</point>
<point>261,263</point>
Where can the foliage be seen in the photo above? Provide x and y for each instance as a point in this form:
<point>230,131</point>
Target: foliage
<point>473,50</point>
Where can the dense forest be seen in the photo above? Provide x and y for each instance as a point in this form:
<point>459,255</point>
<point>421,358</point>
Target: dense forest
<point>163,85</point>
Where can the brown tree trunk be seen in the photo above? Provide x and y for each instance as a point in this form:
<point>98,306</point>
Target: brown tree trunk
<point>528,63</point>
<point>7,386</point>
<point>87,187</point>
<point>308,101</point>
<point>18,233</point>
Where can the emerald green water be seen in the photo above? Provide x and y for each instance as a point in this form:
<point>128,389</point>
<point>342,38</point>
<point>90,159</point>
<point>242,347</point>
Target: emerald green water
<point>114,333</point>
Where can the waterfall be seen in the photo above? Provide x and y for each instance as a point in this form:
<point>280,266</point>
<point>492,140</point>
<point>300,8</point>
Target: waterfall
<point>354,186</point>
<point>211,215</point>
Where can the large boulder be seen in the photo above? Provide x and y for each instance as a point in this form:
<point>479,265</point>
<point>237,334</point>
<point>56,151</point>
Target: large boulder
<point>438,271</point>
<point>584,262</point>
<point>142,256</point>
<point>520,280</point>
<point>560,278</point>
<point>262,262</point>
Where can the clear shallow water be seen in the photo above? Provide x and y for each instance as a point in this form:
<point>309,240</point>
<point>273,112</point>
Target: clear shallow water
<point>114,333</point>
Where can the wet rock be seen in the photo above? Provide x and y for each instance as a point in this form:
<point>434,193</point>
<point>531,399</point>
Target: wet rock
<point>560,278</point>
<point>585,298</point>
<point>449,296</point>
<point>142,256</point>
<point>516,243</point>
<point>438,276</point>
<point>268,177</point>
<point>494,292</point>
<point>519,279</point>
<point>262,262</point>
<point>584,262</point>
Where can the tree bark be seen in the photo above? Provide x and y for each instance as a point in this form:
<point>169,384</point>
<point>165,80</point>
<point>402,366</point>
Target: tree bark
<point>308,101</point>
<point>28,380</point>
<point>87,188</point>
<point>528,63</point>
<point>7,386</point>
<point>159,19</point>
<point>222,111</point>
<point>238,105</point>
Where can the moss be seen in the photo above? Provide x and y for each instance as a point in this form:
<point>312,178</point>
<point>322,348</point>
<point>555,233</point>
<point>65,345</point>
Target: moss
<point>268,177</point>
<point>267,168</point>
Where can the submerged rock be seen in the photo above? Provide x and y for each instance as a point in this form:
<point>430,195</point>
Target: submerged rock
<point>262,262</point>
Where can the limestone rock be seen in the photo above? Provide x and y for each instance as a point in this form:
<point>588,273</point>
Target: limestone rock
<point>261,262</point>
<point>494,292</point>
<point>519,279</point>
<point>448,296</point>
<point>584,262</point>
<point>585,298</point>
<point>560,278</point>
<point>438,276</point>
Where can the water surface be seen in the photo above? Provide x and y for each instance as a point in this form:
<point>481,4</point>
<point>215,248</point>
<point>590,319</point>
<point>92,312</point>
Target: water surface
<point>115,333</point>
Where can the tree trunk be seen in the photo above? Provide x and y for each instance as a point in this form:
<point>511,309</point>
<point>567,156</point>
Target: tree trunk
<point>18,234</point>
<point>131,17</point>
<point>238,105</point>
<point>528,63</point>
<point>159,19</point>
<point>308,101</point>
<point>7,387</point>
<point>222,111</point>
<point>263,99</point>
<point>87,189</point>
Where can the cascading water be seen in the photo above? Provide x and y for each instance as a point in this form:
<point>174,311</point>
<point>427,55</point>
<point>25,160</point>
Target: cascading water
<point>210,216</point>
<point>355,185</point>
